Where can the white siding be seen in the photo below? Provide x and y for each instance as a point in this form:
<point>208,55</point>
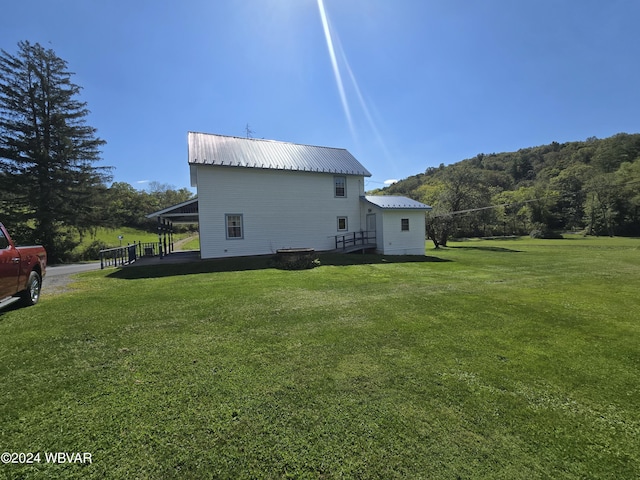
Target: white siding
<point>280,209</point>
<point>393,241</point>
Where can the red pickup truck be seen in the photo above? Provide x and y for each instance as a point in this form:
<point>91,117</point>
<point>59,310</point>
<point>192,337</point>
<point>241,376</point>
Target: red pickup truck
<point>21,271</point>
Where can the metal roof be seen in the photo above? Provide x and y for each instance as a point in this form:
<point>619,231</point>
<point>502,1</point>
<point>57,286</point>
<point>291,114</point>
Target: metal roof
<point>395,202</point>
<point>185,212</point>
<point>221,150</point>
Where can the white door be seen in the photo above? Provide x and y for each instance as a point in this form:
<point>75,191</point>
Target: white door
<point>371,227</point>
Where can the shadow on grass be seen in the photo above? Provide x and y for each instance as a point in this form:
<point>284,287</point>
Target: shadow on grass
<point>19,305</point>
<point>134,272</point>
<point>11,308</point>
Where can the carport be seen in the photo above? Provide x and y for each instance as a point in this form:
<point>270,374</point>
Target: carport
<point>182,213</point>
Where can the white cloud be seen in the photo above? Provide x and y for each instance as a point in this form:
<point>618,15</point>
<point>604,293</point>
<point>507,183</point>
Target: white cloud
<point>390,181</point>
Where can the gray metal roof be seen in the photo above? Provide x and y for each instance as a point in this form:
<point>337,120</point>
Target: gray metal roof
<point>185,212</point>
<point>395,202</point>
<point>210,149</point>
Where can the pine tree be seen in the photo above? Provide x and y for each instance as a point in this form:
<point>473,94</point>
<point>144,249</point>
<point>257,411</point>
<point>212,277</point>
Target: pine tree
<point>48,181</point>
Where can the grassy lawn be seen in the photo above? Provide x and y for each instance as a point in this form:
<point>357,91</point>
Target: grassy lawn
<point>110,236</point>
<point>193,243</point>
<point>488,359</point>
<point>129,235</point>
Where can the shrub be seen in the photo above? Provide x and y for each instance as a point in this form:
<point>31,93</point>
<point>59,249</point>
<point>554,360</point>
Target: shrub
<point>296,262</point>
<point>545,233</point>
<point>92,251</point>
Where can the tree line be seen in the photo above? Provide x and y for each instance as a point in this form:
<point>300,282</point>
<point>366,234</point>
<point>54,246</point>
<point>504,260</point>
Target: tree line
<point>52,189</point>
<point>590,186</point>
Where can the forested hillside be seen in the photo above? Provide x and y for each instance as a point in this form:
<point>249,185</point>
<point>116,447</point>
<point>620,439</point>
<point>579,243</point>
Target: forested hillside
<point>591,186</point>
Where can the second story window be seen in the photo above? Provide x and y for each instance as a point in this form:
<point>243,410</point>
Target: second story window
<point>340,186</point>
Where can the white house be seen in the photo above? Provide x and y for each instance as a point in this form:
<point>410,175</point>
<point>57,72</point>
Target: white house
<point>256,197</point>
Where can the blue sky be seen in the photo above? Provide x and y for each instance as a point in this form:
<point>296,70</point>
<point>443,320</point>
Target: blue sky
<point>424,82</point>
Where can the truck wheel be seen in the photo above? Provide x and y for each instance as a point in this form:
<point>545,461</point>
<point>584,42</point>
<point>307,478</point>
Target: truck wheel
<point>31,295</point>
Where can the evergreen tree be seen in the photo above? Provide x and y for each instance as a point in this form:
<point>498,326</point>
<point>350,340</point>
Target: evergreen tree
<point>49,183</point>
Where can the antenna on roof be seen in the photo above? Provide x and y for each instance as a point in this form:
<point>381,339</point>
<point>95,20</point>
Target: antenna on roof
<point>248,131</point>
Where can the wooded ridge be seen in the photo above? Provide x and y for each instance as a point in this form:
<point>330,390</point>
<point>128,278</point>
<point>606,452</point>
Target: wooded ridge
<point>591,186</point>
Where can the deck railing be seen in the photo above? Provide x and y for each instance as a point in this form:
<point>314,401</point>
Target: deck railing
<point>148,249</point>
<point>348,241</point>
<point>114,257</point>
<point>118,256</point>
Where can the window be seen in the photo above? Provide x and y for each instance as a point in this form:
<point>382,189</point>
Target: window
<point>234,225</point>
<point>4,243</point>
<point>340,186</point>
<point>342,224</point>
<point>404,224</point>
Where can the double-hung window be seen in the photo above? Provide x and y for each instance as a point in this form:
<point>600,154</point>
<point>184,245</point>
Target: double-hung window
<point>342,224</point>
<point>234,225</point>
<point>404,224</point>
<point>340,186</point>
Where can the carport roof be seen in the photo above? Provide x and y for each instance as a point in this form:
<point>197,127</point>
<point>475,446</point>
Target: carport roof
<point>185,212</point>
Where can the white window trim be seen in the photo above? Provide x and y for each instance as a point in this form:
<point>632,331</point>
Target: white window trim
<point>402,229</point>
<point>335,186</point>
<point>346,224</point>
<point>226,225</point>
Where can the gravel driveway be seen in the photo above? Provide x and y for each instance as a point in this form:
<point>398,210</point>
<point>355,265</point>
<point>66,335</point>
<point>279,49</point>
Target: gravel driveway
<point>58,277</point>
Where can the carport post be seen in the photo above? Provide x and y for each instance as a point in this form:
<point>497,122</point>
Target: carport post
<point>164,236</point>
<point>171,237</point>
<point>160,236</point>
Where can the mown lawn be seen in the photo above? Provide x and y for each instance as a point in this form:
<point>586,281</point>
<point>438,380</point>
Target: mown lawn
<point>110,236</point>
<point>191,243</point>
<point>488,359</point>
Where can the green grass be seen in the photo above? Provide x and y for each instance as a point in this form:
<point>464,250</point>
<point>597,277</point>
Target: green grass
<point>488,359</point>
<point>110,238</point>
<point>191,244</point>
<point>129,235</point>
